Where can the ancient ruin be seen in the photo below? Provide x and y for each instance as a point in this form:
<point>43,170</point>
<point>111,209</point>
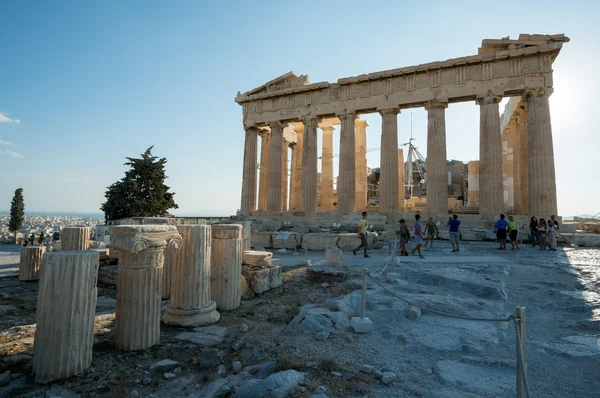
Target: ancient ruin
<point>64,333</point>
<point>75,238</point>
<point>31,262</point>
<point>191,303</point>
<point>288,111</point>
<point>226,265</point>
<point>140,250</point>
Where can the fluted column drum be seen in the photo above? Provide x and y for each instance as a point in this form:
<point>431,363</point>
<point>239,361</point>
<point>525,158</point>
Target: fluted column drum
<point>226,265</point>
<point>64,333</point>
<point>139,286</point>
<point>75,238</point>
<point>31,262</point>
<point>191,303</point>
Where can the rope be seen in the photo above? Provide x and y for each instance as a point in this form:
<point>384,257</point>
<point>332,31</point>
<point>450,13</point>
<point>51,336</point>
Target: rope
<point>521,361</point>
<point>467,318</point>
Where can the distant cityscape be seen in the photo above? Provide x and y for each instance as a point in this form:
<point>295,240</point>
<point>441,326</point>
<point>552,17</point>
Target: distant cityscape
<point>47,223</point>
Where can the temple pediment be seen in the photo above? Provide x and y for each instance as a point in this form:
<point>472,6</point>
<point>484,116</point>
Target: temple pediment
<point>289,80</point>
<point>525,40</point>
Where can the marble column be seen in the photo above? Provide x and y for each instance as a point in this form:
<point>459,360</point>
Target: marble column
<point>491,190</point>
<point>347,170</point>
<point>75,238</point>
<point>31,262</point>
<point>140,250</point>
<point>437,169</point>
<point>284,175</point>
<point>297,159</point>
<point>309,166</point>
<point>473,181</point>
<point>388,178</point>
<point>292,195</point>
<point>327,169</point>
<point>401,190</point>
<point>64,333</point>
<point>517,169</point>
<point>542,175</point>
<point>360,150</point>
<point>274,202</point>
<point>263,186</point>
<point>191,303</point>
<point>249,173</point>
<point>508,165</point>
<point>226,265</point>
<point>524,157</point>
<point>167,273</point>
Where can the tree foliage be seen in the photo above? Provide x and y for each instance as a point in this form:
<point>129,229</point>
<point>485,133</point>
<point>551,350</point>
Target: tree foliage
<point>142,192</point>
<point>17,212</point>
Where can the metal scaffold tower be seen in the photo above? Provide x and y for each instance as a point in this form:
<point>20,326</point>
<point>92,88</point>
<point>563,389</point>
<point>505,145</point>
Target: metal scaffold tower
<point>414,160</point>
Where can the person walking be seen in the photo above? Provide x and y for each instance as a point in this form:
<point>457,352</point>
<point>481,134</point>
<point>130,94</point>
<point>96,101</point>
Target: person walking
<point>542,233</point>
<point>533,228</point>
<point>432,231</point>
<point>552,234</point>
<point>501,226</point>
<point>403,237</point>
<point>513,232</point>
<point>418,236</point>
<point>362,233</point>
<point>555,222</point>
<point>454,224</point>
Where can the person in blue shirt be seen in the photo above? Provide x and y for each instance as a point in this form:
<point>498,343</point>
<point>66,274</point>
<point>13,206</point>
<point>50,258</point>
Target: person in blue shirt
<point>454,224</point>
<point>501,226</point>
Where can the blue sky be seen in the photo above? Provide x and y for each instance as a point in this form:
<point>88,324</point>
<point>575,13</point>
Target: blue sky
<point>93,82</point>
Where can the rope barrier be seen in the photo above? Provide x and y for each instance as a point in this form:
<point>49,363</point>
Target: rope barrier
<point>511,318</point>
<point>467,318</point>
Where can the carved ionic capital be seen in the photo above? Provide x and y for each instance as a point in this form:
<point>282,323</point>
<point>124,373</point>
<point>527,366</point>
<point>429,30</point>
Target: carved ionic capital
<point>489,99</point>
<point>135,238</point>
<point>391,111</point>
<point>538,92</point>
<point>435,105</point>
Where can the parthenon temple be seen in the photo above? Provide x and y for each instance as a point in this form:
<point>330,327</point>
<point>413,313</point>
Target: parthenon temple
<point>515,171</point>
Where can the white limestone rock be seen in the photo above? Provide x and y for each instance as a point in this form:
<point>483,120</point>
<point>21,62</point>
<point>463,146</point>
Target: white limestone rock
<point>258,259</point>
<point>263,280</point>
<point>334,258</point>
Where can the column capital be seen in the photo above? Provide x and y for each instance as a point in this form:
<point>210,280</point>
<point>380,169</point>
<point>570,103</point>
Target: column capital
<point>390,111</point>
<point>327,129</point>
<point>435,105</point>
<point>538,92</point>
<point>263,131</point>
<point>489,99</point>
<point>277,125</point>
<point>311,123</point>
<point>347,116</point>
<point>135,238</point>
<point>361,123</point>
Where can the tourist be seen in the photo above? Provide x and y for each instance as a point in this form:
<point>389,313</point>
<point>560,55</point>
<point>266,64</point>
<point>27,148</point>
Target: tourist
<point>533,228</point>
<point>554,222</point>
<point>501,226</point>
<point>513,231</point>
<point>418,236</point>
<point>552,234</point>
<point>55,236</point>
<point>542,231</point>
<point>362,233</point>
<point>404,237</point>
<point>454,224</point>
<point>432,231</point>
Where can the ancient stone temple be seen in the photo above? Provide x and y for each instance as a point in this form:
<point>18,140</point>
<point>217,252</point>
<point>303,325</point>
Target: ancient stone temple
<point>520,69</point>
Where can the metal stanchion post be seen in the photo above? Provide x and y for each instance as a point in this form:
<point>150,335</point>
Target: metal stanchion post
<point>520,312</point>
<point>363,299</point>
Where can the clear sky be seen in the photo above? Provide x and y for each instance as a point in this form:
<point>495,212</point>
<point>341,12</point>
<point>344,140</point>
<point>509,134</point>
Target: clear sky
<point>84,84</point>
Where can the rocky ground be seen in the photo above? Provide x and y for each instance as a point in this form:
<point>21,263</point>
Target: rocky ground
<point>297,341</point>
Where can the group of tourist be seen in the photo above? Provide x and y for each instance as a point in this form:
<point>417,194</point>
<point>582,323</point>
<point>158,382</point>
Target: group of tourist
<point>542,233</point>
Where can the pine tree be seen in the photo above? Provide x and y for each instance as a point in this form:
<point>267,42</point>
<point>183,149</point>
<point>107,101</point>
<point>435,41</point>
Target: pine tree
<point>17,212</point>
<point>142,192</point>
